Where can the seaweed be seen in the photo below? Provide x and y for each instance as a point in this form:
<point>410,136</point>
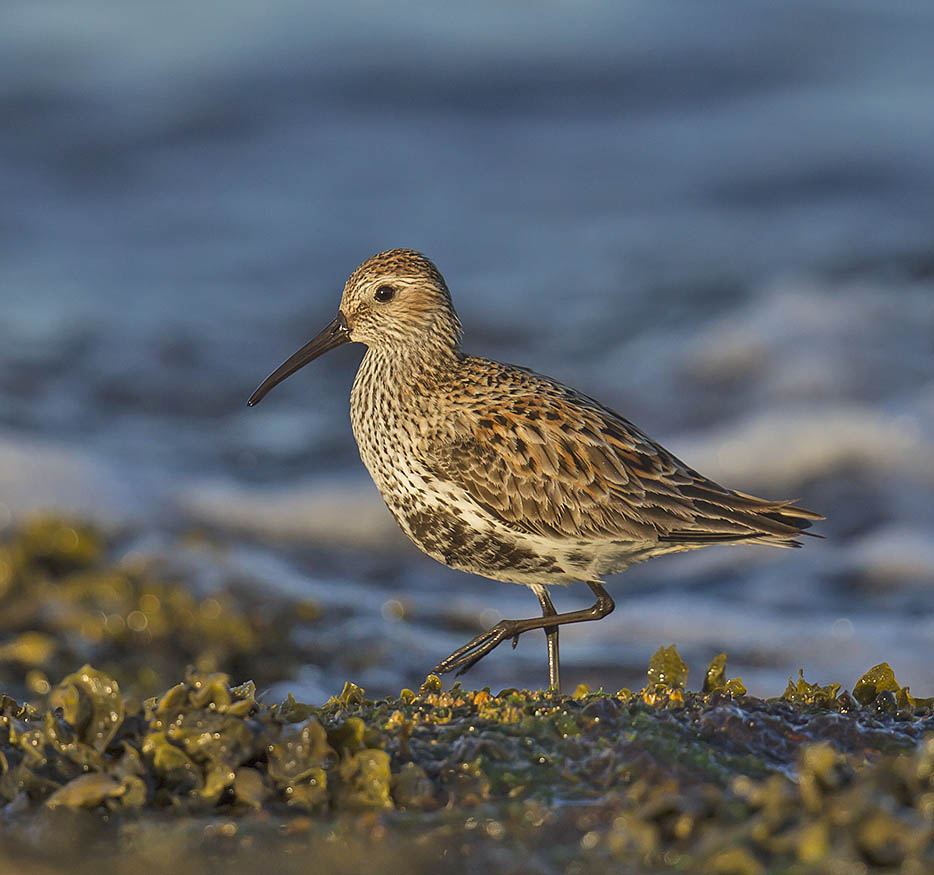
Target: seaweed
<point>70,595</point>
<point>662,774</point>
<point>98,773</point>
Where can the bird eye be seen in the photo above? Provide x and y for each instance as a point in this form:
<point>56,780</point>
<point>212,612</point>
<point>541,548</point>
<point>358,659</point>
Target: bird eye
<point>384,294</point>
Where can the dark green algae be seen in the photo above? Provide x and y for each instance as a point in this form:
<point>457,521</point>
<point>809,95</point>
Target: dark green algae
<point>70,595</point>
<point>658,779</point>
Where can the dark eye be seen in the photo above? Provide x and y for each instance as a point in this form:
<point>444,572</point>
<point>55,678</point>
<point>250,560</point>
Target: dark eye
<point>384,294</point>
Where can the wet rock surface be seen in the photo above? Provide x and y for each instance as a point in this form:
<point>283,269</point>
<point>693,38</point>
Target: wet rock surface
<point>205,774</point>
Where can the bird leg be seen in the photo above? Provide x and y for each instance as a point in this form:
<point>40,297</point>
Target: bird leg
<point>551,639</point>
<point>473,651</point>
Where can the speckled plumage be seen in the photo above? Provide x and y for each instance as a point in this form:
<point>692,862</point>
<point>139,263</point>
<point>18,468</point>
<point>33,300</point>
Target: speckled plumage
<point>496,470</point>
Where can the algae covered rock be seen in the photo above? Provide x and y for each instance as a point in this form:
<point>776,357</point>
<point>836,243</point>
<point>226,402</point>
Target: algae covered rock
<point>716,781</point>
<point>86,791</point>
<point>71,595</point>
<point>91,703</point>
<point>153,757</point>
<point>364,780</point>
<point>296,763</point>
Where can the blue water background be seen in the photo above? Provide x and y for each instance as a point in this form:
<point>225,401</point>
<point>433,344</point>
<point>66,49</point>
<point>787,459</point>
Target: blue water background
<point>717,217</point>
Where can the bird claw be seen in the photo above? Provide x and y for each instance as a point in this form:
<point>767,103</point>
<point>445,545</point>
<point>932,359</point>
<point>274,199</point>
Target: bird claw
<point>466,657</point>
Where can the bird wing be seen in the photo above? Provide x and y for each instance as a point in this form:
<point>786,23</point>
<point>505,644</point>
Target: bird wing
<point>546,460</point>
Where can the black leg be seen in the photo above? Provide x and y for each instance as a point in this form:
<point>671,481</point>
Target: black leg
<point>473,651</point>
<point>551,639</point>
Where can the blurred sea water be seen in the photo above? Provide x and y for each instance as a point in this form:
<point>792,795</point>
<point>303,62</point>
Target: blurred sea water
<point>715,219</point>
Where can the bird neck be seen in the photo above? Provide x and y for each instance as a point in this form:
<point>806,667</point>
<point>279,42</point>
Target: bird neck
<point>414,367</point>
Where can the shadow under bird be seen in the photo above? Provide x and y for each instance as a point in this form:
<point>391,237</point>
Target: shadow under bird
<point>502,472</point>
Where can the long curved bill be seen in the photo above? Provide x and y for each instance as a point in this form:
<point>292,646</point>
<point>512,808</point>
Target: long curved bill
<point>336,334</point>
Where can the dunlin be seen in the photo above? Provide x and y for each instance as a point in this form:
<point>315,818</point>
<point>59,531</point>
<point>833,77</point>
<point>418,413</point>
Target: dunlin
<point>499,471</point>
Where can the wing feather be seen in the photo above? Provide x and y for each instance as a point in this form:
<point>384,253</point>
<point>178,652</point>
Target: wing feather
<point>546,460</point>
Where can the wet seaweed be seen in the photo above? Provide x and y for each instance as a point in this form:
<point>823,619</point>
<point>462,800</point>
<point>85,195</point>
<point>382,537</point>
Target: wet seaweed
<point>69,595</point>
<point>814,780</point>
<point>714,778</point>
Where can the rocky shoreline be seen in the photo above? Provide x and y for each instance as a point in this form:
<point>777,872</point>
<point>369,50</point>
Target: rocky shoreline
<point>95,769</point>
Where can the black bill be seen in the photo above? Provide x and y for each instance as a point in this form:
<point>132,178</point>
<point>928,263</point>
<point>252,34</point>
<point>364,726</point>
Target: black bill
<point>334,335</point>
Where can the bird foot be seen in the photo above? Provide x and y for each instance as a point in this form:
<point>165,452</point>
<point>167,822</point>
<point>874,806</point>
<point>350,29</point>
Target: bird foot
<point>473,651</point>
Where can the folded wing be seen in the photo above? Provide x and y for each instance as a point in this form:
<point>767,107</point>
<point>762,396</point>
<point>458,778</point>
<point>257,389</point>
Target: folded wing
<point>548,461</point>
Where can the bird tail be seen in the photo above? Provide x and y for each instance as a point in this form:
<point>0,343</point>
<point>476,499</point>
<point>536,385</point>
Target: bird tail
<point>735,517</point>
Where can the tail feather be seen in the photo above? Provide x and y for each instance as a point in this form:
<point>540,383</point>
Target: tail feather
<point>735,517</point>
